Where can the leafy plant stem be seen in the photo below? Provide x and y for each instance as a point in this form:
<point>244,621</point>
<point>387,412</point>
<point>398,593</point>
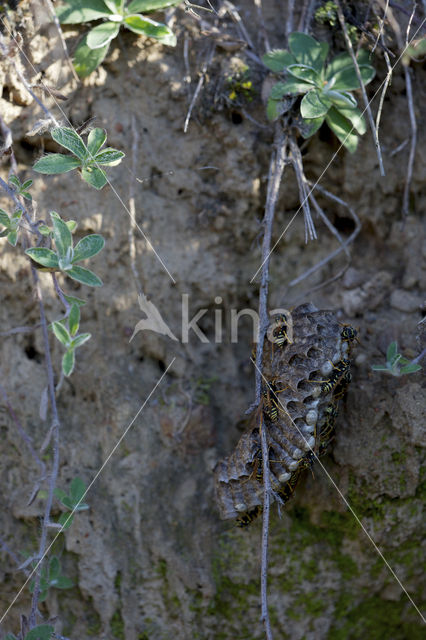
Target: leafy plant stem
<point>55,447</point>
<point>364,93</point>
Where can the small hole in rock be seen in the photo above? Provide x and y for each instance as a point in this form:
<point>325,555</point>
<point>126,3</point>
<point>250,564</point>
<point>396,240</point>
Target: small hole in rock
<point>236,117</point>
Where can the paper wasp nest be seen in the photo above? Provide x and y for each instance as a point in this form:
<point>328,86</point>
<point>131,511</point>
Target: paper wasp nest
<point>306,369</point>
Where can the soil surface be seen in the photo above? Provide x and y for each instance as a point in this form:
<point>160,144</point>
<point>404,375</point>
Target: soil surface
<point>151,558</point>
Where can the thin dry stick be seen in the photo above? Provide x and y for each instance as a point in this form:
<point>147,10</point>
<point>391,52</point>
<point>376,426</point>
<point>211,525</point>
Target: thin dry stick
<point>385,88</point>
<point>276,169</point>
<point>200,83</point>
<point>238,21</point>
<point>290,17</point>
<point>261,23</point>
<point>54,17</point>
<point>265,528</point>
<point>343,246</point>
<point>132,208</point>
<point>297,163</point>
<point>413,123</point>
<point>364,93</point>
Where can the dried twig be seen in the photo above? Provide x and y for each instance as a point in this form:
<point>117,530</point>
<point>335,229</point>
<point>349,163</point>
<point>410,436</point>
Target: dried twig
<point>413,142</point>
<point>297,163</point>
<point>54,17</point>
<point>261,23</point>
<point>132,208</point>
<point>290,17</point>
<point>265,529</point>
<point>276,169</point>
<point>343,244</point>
<point>200,83</point>
<point>364,93</point>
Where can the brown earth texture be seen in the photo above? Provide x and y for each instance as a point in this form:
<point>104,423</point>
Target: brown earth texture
<point>143,421</point>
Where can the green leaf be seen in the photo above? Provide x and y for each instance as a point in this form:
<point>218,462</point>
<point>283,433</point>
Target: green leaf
<point>27,184</point>
<point>88,246</point>
<point>142,6</point>
<point>43,256</point>
<point>61,234</point>
<point>78,11</point>
<point>59,493</point>
<point>341,99</point>
<point>26,195</point>
<point>74,300</point>
<point>77,489</point>
<point>80,340</point>
<point>68,362</point>
<point>344,60</point>
<point>314,105</point>
<point>272,109</point>
<point>147,27</point>
<point>310,126</point>
<point>65,520</point>
<point>41,632</point>
<point>56,163</point>
<point>289,87</point>
<point>44,230</point>
<point>74,319</point>
<point>392,351</point>
<point>278,60</point>
<point>72,225</point>
<point>115,6</point>
<point>410,368</point>
<point>61,333</point>
<point>63,583</point>
<point>109,156</point>
<point>4,219</point>
<point>96,140</point>
<point>95,177</point>
<point>14,180</point>
<point>12,238</point>
<point>101,36</point>
<point>85,276</point>
<point>347,79</point>
<point>86,59</point>
<point>305,73</point>
<point>307,50</point>
<point>379,367</point>
<point>54,567</point>
<point>355,117</point>
<point>69,139</point>
<point>343,129</point>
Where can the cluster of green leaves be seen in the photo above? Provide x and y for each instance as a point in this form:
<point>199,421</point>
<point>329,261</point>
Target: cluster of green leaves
<point>11,224</point>
<point>87,159</point>
<point>114,14</point>
<point>66,256</point>
<point>72,502</point>
<point>396,364</point>
<point>51,577</point>
<point>40,632</point>
<point>326,90</point>
<point>66,332</point>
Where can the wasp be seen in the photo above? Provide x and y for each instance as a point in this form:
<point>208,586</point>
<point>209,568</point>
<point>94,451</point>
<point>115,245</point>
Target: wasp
<point>327,430</point>
<point>271,405</point>
<point>247,518</point>
<point>340,370</point>
<point>280,333</point>
<point>349,334</point>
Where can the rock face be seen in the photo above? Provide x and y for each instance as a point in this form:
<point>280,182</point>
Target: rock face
<point>151,558</point>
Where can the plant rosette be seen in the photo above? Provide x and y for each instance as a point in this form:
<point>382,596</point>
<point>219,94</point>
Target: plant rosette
<point>114,14</point>
<point>326,89</point>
